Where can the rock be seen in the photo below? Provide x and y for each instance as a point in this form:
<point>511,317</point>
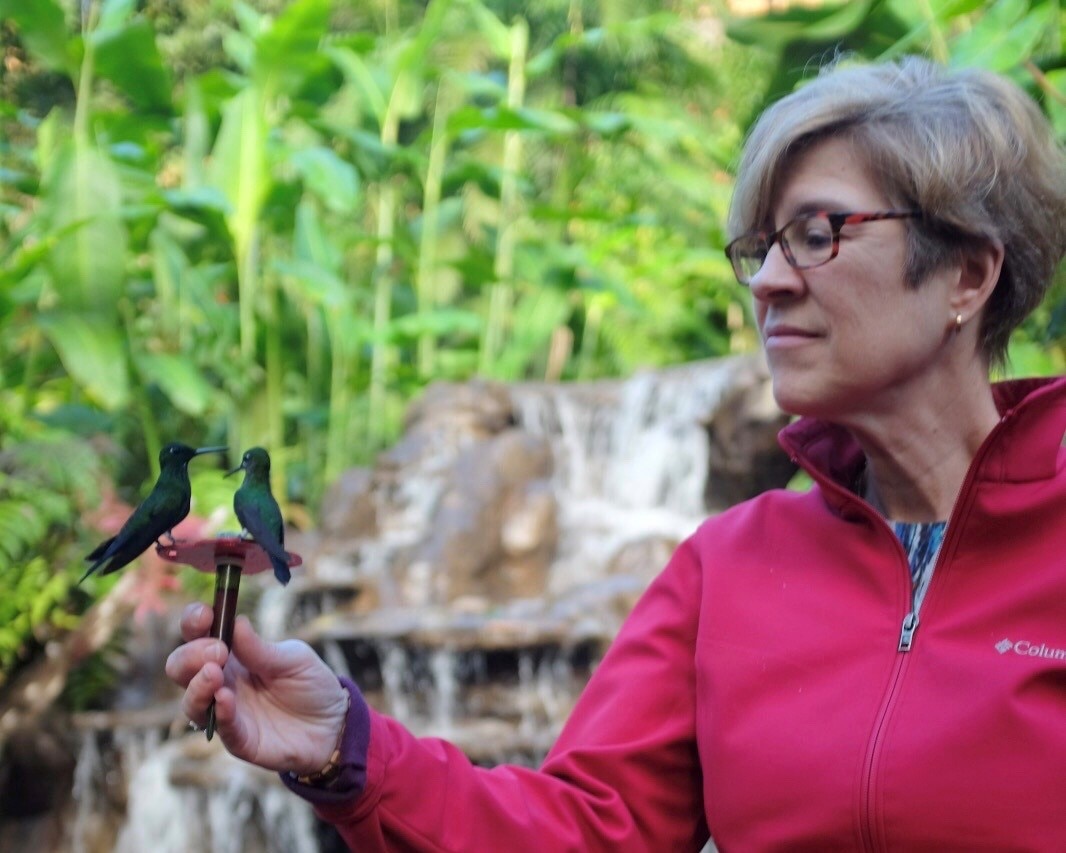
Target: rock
<point>348,510</point>
<point>744,456</point>
<point>493,533</point>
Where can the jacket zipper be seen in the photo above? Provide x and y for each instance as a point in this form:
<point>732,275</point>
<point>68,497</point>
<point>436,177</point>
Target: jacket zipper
<point>906,638</point>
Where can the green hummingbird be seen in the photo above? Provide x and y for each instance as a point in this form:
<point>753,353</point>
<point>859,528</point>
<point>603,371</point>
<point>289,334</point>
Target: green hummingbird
<point>258,512</point>
<point>164,508</point>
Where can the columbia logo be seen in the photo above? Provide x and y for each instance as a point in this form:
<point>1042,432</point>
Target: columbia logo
<point>1027,649</point>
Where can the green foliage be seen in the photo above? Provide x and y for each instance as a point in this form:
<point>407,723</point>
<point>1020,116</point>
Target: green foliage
<point>90,683</point>
<point>47,480</point>
<point>312,209</point>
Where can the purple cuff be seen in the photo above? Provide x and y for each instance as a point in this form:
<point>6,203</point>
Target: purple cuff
<point>355,744</point>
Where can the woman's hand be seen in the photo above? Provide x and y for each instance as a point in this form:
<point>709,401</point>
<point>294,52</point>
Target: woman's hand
<point>277,705</point>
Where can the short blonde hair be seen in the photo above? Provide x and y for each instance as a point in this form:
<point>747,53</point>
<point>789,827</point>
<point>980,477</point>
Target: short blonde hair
<point>968,148</point>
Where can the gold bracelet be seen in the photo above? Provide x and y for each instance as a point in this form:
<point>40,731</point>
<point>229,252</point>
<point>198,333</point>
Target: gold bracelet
<point>332,768</point>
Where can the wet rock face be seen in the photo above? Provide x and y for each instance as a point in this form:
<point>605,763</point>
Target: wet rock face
<point>496,493</point>
<point>464,499</point>
<point>348,510</point>
<point>494,531</point>
<point>744,458</point>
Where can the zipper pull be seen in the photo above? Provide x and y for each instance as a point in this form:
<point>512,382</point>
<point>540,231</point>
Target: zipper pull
<point>906,636</point>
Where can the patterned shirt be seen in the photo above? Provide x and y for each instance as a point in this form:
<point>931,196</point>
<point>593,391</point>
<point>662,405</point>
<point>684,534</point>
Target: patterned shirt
<point>921,541</point>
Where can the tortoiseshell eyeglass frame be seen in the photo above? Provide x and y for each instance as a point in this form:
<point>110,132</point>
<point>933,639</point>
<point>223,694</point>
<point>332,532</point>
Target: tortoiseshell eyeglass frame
<point>755,245</point>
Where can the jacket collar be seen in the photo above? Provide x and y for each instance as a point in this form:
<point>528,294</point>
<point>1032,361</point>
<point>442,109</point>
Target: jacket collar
<point>1027,442</point>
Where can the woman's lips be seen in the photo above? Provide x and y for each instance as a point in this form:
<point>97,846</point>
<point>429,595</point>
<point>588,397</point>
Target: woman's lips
<point>782,336</point>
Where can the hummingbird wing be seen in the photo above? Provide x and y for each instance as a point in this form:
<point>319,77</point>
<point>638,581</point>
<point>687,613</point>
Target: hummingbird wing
<point>166,505</point>
<point>262,519</point>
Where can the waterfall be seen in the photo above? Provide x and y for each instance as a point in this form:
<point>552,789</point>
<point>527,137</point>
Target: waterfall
<point>185,797</point>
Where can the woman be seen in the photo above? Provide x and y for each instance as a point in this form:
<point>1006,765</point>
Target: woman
<point>879,663</point>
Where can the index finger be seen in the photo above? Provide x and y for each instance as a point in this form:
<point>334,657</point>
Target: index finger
<point>196,621</point>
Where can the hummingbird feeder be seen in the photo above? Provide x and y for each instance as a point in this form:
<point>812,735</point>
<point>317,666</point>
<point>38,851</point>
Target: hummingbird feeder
<point>228,556</point>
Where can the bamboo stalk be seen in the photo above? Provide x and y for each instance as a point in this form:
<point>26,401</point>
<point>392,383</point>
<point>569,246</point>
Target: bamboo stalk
<point>381,351</point>
<point>426,286</point>
<point>275,370</point>
<point>339,401</point>
<point>310,434</point>
<point>501,294</point>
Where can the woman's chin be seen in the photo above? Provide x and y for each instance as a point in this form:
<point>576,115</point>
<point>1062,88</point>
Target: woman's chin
<point>794,400</point>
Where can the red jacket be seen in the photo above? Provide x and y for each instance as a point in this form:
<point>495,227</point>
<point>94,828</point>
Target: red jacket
<point>758,687</point>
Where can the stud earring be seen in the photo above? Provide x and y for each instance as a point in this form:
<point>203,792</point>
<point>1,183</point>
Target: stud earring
<point>958,323</point>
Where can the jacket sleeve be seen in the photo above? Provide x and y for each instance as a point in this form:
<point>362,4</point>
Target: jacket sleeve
<point>624,774</point>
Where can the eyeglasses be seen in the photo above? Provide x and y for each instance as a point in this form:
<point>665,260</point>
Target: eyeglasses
<point>809,240</point>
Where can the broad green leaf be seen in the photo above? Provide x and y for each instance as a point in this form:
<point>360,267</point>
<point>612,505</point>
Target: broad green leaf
<point>1005,35</point>
<point>603,123</point>
<point>504,118</point>
<point>438,322</point>
<point>333,180</point>
<point>406,97</point>
<point>114,14</point>
<point>238,166</point>
<point>820,24</point>
<point>1056,105</point>
<point>43,30</point>
<point>241,49</point>
<point>248,19</point>
<point>178,378</point>
<point>129,58</point>
<point>541,63</point>
<point>308,282</point>
<point>481,85</point>
<point>1026,358</point>
<point>417,49</point>
<point>311,242</point>
<point>203,198</point>
<point>288,50</point>
<point>21,258</point>
<point>948,9</point>
<point>362,77</point>
<point>93,352</point>
<point>51,135</point>
<point>196,132</point>
<point>168,269</point>
<point>88,263</point>
<point>492,28</point>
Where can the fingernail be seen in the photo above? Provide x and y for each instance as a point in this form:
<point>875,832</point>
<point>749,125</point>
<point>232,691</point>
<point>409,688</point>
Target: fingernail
<point>197,612</point>
<point>215,652</point>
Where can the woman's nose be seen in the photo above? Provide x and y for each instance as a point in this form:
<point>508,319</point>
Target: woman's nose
<point>775,276</point>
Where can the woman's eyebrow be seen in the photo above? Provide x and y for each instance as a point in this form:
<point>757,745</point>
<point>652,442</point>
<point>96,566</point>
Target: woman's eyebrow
<point>816,205</point>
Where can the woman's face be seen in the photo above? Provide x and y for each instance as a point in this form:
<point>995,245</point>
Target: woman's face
<point>849,338</point>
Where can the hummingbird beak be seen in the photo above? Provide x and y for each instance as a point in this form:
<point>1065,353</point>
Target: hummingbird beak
<point>235,470</point>
<point>202,450</point>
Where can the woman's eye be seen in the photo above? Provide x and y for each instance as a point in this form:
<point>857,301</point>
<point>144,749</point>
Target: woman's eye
<point>816,239</point>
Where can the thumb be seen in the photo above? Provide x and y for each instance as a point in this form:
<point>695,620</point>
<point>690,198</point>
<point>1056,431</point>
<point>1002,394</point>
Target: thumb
<point>257,655</point>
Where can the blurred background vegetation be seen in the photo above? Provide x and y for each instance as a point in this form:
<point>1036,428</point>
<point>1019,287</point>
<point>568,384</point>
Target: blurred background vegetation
<point>272,222</point>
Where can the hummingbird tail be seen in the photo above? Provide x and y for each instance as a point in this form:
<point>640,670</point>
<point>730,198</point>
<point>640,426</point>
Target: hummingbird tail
<point>100,549</point>
<point>91,570</point>
<point>281,570</point>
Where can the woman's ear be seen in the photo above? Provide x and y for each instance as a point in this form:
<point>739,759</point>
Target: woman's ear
<point>979,271</point>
